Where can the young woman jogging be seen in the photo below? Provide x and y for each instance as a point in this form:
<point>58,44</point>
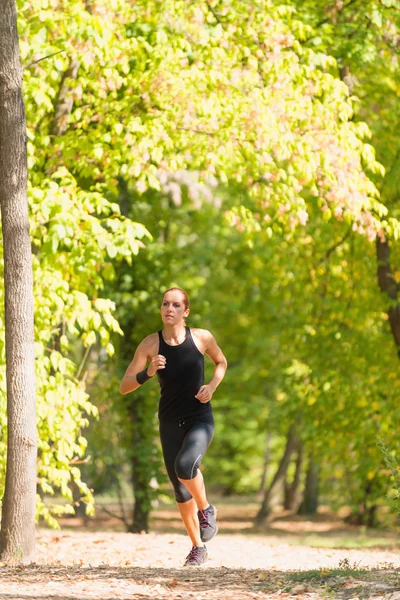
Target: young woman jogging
<point>176,354</point>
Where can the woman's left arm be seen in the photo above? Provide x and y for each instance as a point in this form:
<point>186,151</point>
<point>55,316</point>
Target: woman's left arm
<point>217,356</point>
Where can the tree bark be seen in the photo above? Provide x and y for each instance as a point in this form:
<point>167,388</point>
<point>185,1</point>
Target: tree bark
<point>275,489</point>
<point>309,504</point>
<point>388,285</point>
<point>366,513</point>
<point>140,470</point>
<point>266,460</point>
<point>17,537</point>
<point>291,489</point>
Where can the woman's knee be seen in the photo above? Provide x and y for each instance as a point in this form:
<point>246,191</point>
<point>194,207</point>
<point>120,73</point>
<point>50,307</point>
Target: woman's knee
<point>186,467</point>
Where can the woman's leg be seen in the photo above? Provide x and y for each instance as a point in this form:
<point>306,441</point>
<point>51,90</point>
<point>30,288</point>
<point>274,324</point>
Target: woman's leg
<point>171,437</point>
<point>197,489</point>
<point>187,463</point>
<point>188,511</point>
<point>188,460</point>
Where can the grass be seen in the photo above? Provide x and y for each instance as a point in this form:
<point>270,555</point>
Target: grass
<point>321,575</point>
<point>386,576</point>
<point>345,540</point>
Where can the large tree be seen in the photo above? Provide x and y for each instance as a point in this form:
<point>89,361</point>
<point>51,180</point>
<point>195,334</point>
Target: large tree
<point>17,540</point>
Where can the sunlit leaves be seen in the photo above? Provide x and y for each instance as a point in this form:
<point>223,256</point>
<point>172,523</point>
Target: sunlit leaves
<point>183,105</point>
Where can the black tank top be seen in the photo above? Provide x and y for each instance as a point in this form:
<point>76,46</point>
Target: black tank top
<point>181,380</point>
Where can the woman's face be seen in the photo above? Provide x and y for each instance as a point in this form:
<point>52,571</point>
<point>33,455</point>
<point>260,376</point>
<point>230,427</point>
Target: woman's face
<point>173,309</point>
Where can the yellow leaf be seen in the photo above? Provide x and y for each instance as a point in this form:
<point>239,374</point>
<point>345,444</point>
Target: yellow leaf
<point>362,402</point>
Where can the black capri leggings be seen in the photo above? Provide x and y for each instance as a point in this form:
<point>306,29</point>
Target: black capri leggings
<point>184,443</point>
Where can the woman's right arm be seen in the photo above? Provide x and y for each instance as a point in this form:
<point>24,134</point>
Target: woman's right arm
<point>129,382</point>
<point>146,348</point>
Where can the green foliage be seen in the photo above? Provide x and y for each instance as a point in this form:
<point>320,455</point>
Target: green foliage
<point>393,468</point>
<point>363,37</point>
<point>221,136</point>
<point>344,569</point>
<point>249,104</point>
<point>78,236</point>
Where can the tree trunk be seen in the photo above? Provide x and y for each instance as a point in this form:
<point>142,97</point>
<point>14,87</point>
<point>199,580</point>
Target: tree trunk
<point>369,509</point>
<point>17,537</point>
<point>64,104</point>
<point>142,454</point>
<point>266,460</point>
<point>275,489</point>
<point>366,513</point>
<point>291,489</point>
<point>309,504</point>
<point>388,285</point>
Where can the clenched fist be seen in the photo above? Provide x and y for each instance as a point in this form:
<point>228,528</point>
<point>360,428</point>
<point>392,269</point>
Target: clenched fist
<point>157,362</point>
<point>204,394</point>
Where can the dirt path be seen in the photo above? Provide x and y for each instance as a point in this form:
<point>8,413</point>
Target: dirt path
<point>76,565</point>
<point>96,560</point>
<point>169,550</point>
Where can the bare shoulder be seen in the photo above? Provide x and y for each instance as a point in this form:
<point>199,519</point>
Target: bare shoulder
<point>202,334</point>
<point>150,339</point>
<point>203,339</point>
<point>207,344</point>
<point>150,344</point>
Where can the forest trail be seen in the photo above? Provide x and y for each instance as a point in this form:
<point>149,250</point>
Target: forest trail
<point>282,562</point>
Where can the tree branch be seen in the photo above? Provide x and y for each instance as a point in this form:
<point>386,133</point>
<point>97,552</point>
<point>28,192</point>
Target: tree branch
<point>326,20</point>
<point>333,248</point>
<point>339,11</point>
<point>35,62</point>
<point>215,15</point>
<point>111,514</point>
<point>210,133</point>
<point>121,503</point>
<point>76,461</point>
<point>64,103</point>
<point>83,362</point>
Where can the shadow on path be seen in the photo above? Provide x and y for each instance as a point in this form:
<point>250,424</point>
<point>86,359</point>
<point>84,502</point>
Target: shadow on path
<point>53,582</point>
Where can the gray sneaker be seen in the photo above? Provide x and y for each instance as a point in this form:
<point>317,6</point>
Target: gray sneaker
<point>196,557</point>
<point>208,523</point>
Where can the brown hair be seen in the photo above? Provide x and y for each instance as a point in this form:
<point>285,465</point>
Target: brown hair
<point>185,296</point>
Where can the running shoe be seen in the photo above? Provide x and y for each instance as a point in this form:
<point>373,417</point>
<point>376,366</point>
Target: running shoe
<point>208,523</point>
<point>196,557</point>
